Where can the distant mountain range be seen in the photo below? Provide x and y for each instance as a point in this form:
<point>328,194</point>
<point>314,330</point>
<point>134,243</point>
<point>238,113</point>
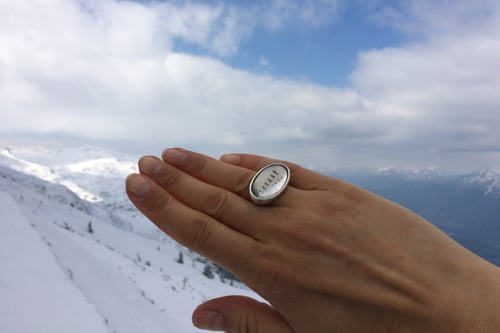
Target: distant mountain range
<point>466,207</point>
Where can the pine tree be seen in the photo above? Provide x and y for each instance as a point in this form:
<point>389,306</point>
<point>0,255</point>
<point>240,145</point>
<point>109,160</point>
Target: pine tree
<point>89,228</point>
<point>180,258</point>
<point>208,272</point>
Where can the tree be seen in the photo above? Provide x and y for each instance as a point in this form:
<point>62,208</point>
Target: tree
<point>180,258</point>
<point>89,228</point>
<point>225,274</point>
<point>208,272</point>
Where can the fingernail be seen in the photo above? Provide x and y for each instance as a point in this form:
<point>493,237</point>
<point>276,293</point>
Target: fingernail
<point>138,185</point>
<point>230,158</point>
<point>174,156</point>
<point>150,165</point>
<point>209,320</point>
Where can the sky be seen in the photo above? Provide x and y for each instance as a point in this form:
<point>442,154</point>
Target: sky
<point>324,83</point>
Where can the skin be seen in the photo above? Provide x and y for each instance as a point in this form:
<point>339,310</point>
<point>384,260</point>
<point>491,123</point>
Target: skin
<point>327,256</point>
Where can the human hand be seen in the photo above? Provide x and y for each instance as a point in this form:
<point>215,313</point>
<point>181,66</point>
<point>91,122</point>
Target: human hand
<point>326,255</point>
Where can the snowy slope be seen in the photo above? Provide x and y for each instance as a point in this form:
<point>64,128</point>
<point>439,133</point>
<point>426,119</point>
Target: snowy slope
<point>31,280</point>
<point>93,174</point>
<point>124,270</point>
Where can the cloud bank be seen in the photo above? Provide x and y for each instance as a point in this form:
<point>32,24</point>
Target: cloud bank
<point>112,72</point>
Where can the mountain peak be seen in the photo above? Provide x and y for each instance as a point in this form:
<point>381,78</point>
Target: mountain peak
<point>409,172</point>
<point>86,171</point>
<point>486,177</point>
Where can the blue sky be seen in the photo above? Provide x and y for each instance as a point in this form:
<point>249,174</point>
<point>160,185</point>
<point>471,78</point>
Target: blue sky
<point>325,83</point>
<point>325,55</point>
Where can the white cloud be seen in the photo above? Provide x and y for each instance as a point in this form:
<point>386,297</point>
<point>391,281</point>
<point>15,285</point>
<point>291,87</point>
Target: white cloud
<point>426,18</point>
<point>87,66</point>
<point>445,85</point>
<point>107,71</point>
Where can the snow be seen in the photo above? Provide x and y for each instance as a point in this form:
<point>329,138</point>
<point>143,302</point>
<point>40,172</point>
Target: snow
<point>45,173</point>
<point>57,276</point>
<point>35,294</point>
<point>490,178</point>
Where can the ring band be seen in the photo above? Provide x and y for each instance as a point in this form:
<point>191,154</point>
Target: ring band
<point>269,183</point>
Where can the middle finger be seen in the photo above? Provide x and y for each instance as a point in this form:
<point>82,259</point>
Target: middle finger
<point>210,170</point>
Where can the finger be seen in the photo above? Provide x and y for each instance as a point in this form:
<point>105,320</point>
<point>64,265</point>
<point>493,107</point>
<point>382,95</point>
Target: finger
<point>301,178</point>
<point>221,204</point>
<point>189,227</point>
<point>238,314</point>
<point>223,175</point>
<point>212,171</point>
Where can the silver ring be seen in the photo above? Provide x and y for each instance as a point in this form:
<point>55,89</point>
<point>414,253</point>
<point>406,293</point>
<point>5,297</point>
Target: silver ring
<point>269,183</point>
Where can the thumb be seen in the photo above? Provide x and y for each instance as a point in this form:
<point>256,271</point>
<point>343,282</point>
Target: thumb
<point>238,314</point>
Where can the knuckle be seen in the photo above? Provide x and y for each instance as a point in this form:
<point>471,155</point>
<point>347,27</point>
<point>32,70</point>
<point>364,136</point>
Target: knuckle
<point>198,166</point>
<point>240,183</point>
<point>159,205</point>
<point>216,203</point>
<point>171,179</point>
<point>244,322</point>
<point>247,322</point>
<point>198,238</point>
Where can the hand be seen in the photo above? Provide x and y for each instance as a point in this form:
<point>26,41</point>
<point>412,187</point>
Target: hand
<point>326,255</point>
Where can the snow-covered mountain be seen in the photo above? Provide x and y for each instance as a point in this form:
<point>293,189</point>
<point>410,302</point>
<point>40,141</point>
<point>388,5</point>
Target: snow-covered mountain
<point>77,257</point>
<point>488,179</point>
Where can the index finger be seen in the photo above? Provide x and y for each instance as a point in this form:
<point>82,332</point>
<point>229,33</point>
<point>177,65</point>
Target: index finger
<point>190,227</point>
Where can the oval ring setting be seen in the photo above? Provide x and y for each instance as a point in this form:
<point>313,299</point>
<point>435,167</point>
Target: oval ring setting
<point>269,183</point>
